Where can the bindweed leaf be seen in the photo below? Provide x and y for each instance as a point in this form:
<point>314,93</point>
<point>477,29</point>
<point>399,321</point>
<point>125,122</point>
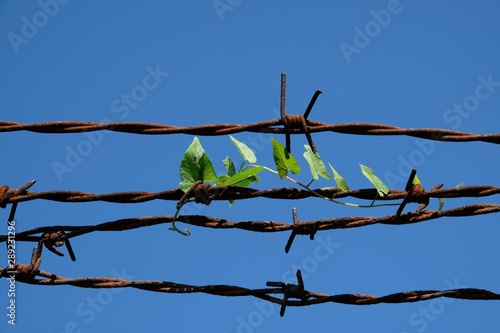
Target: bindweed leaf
<point>382,189</point>
<point>229,165</point>
<point>441,204</point>
<point>315,164</point>
<point>341,184</point>
<point>244,178</point>
<point>417,181</point>
<point>221,179</point>
<point>195,165</point>
<point>245,152</point>
<point>284,160</point>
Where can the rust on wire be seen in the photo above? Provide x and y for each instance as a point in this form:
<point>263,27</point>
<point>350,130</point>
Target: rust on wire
<point>271,126</point>
<point>284,119</point>
<point>291,291</point>
<point>295,123</point>
<point>6,193</point>
<point>310,227</point>
<point>57,239</point>
<point>293,295</point>
<point>238,193</point>
<point>409,192</point>
<point>25,272</point>
<point>299,228</point>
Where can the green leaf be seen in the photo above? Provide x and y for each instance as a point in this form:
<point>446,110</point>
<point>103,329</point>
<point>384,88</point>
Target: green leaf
<point>416,181</point>
<point>315,164</point>
<point>245,152</point>
<point>382,189</point>
<point>341,184</point>
<point>441,204</point>
<point>244,178</point>
<point>221,179</point>
<point>195,165</point>
<point>229,165</point>
<point>284,160</point>
<point>207,168</point>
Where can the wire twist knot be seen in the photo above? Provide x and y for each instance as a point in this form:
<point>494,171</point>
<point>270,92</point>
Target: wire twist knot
<point>299,228</point>
<point>295,122</point>
<point>291,291</point>
<point>201,192</point>
<point>57,239</point>
<point>6,193</point>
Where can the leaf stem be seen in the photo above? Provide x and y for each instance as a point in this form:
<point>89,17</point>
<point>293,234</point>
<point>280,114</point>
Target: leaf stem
<point>322,196</point>
<point>174,227</point>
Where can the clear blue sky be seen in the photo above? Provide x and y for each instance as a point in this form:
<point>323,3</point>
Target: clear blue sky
<point>406,63</point>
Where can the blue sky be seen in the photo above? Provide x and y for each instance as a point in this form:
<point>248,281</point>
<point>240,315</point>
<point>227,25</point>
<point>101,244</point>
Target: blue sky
<point>405,63</point>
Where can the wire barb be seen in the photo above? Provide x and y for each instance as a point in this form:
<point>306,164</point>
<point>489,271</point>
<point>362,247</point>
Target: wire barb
<point>416,193</point>
<point>296,123</point>
<point>291,291</point>
<point>295,295</point>
<point>239,193</point>
<point>270,126</point>
<point>57,239</point>
<point>409,191</point>
<point>6,193</point>
<point>299,228</point>
<point>260,226</point>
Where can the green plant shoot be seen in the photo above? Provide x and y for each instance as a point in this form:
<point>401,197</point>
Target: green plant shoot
<point>315,164</point>
<point>284,160</point>
<point>416,181</point>
<point>245,152</point>
<point>382,189</point>
<point>195,165</point>
<point>341,184</point>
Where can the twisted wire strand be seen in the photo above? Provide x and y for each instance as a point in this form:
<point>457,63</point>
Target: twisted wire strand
<point>306,297</point>
<point>293,295</point>
<point>259,226</point>
<point>270,126</point>
<point>9,196</point>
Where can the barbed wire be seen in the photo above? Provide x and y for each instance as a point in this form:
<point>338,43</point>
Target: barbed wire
<point>270,126</point>
<point>55,236</point>
<point>59,234</point>
<point>8,196</point>
<point>293,294</point>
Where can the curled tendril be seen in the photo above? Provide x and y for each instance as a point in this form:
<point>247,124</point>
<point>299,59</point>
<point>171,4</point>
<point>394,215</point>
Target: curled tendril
<point>186,231</point>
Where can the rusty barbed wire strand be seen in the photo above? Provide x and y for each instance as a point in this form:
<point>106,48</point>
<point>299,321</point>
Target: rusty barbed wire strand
<point>300,227</point>
<point>9,196</point>
<point>292,294</point>
<point>270,126</point>
<point>301,297</point>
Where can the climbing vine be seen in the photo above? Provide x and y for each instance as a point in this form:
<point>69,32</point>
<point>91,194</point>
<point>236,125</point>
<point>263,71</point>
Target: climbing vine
<point>196,167</point>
